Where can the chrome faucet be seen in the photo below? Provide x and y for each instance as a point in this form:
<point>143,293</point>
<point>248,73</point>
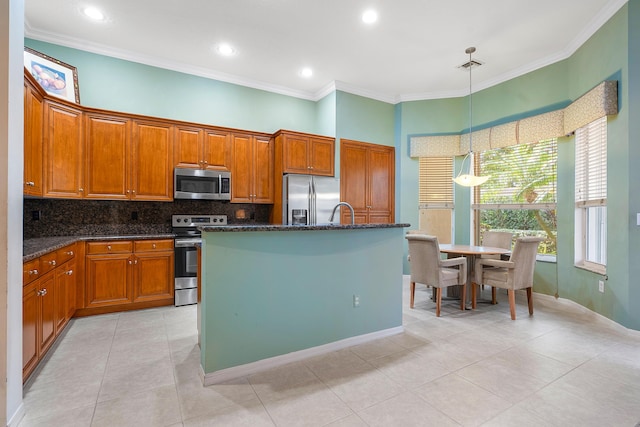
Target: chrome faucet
<point>336,208</point>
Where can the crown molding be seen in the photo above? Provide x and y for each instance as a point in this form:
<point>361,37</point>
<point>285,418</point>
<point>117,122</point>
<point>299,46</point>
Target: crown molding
<point>594,25</point>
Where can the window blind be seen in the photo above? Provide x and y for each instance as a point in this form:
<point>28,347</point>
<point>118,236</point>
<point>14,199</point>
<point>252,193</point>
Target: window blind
<point>436,184</point>
<point>591,164</point>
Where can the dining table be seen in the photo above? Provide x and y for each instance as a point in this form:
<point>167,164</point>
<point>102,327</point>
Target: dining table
<point>470,252</point>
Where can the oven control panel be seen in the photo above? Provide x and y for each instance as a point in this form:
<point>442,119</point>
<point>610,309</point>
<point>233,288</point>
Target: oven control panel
<point>197,220</point>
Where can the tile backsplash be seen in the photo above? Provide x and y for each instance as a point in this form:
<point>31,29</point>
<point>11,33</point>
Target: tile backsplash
<point>64,217</point>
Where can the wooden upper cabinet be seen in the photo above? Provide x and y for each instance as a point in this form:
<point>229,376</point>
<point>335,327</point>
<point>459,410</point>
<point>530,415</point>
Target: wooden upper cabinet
<point>306,154</point>
<point>107,157</point>
<point>367,180</point>
<point>63,151</point>
<point>202,148</point>
<point>152,161</point>
<point>263,170</point>
<point>252,171</point>
<point>33,139</point>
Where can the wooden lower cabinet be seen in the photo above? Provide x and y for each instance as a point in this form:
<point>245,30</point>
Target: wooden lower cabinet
<point>48,302</point>
<point>123,275</point>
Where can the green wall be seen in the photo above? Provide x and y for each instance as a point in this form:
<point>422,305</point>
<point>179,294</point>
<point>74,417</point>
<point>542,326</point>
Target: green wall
<point>119,85</point>
<point>611,53</point>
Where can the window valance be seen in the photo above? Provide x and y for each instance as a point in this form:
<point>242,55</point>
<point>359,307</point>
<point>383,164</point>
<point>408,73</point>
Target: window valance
<point>599,102</point>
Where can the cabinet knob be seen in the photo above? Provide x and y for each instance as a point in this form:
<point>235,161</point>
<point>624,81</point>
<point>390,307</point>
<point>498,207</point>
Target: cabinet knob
<point>133,191</point>
<point>68,273</point>
<point>130,262</point>
<point>52,262</point>
<point>153,246</point>
<point>108,247</point>
<point>80,190</point>
<point>70,253</point>
<point>128,191</point>
<point>34,271</point>
<point>135,261</point>
<point>42,292</point>
<point>205,162</point>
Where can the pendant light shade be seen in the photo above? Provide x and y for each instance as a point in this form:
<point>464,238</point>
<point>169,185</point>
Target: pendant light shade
<point>469,179</point>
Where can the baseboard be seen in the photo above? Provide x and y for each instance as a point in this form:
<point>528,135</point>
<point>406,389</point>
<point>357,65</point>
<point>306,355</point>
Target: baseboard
<point>262,365</point>
<point>17,416</point>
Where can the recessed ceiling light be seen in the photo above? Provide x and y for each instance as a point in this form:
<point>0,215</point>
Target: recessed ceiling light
<point>94,13</point>
<point>306,72</point>
<point>225,49</point>
<point>370,16</point>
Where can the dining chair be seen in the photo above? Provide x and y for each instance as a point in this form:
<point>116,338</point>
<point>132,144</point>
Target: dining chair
<point>496,239</point>
<point>428,268</point>
<point>517,273</point>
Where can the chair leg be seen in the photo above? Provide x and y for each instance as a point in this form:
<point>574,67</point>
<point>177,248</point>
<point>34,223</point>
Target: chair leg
<point>493,295</point>
<point>463,297</point>
<point>512,303</point>
<point>474,292</point>
<point>530,300</point>
<point>413,294</point>
<point>438,300</point>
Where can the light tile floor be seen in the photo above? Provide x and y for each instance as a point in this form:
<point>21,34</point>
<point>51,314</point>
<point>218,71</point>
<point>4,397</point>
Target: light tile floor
<point>564,366</point>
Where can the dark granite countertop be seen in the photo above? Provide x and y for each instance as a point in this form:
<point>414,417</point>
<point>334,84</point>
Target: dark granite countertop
<point>34,248</point>
<point>275,227</point>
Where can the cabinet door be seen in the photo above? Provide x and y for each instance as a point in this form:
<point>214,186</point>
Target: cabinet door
<point>353,178</point>
<point>241,171</point>
<point>47,322</point>
<point>153,276</point>
<point>30,314</point>
<point>321,156</point>
<point>108,158</point>
<point>262,170</point>
<point>295,154</point>
<point>188,147</point>
<point>63,152</point>
<point>152,167</point>
<point>33,135</point>
<point>71,288</point>
<point>217,150</point>
<point>108,279</point>
<point>381,185</point>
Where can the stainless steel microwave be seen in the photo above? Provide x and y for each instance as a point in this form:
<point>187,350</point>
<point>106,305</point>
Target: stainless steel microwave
<point>201,184</point>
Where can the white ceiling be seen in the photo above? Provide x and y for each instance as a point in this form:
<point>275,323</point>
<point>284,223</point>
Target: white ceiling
<point>411,53</point>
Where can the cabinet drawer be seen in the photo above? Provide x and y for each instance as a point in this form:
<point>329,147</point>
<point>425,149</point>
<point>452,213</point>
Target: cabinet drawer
<point>153,245</point>
<point>48,262</point>
<point>65,254</point>
<point>111,247</point>
<point>30,271</point>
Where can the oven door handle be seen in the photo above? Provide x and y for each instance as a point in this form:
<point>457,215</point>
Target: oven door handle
<point>187,243</point>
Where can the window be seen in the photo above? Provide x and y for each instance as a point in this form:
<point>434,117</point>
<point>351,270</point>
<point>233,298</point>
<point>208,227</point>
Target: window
<point>591,196</point>
<point>520,196</point>
<point>436,196</point>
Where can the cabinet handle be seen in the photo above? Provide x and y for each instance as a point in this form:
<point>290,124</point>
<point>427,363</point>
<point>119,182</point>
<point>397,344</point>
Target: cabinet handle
<point>30,184</point>
<point>53,262</point>
<point>68,273</point>
<point>108,247</point>
<point>42,292</point>
<point>70,253</point>
<point>205,162</point>
<point>80,190</point>
<point>34,271</point>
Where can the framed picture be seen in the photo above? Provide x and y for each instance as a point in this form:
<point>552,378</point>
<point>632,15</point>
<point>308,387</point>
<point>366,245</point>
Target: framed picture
<point>55,77</point>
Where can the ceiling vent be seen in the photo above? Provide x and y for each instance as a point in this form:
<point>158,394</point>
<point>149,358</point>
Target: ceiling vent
<point>470,64</point>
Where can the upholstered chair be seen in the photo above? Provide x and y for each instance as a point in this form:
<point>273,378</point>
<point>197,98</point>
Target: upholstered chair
<point>517,273</point>
<point>496,239</point>
<point>428,268</point>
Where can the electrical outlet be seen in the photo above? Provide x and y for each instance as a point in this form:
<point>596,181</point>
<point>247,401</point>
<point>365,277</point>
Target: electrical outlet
<point>356,300</point>
<point>36,215</point>
<point>134,215</point>
<point>601,285</point>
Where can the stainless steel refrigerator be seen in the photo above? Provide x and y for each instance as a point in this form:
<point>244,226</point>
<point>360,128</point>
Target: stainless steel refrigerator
<point>309,199</point>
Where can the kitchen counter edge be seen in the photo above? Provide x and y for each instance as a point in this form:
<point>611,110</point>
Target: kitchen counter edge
<point>36,247</point>
<point>276,227</point>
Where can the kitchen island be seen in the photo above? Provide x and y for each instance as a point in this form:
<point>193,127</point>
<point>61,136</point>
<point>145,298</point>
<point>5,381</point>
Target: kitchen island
<point>276,294</point>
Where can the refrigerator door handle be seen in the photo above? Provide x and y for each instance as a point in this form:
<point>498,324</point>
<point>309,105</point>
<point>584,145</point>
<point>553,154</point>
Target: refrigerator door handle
<point>313,202</point>
<point>310,201</point>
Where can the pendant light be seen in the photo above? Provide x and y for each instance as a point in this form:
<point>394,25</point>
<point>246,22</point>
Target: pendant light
<point>469,179</point>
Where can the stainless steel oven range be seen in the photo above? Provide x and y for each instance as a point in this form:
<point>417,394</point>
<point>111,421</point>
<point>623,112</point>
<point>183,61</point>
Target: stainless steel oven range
<point>186,258</point>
